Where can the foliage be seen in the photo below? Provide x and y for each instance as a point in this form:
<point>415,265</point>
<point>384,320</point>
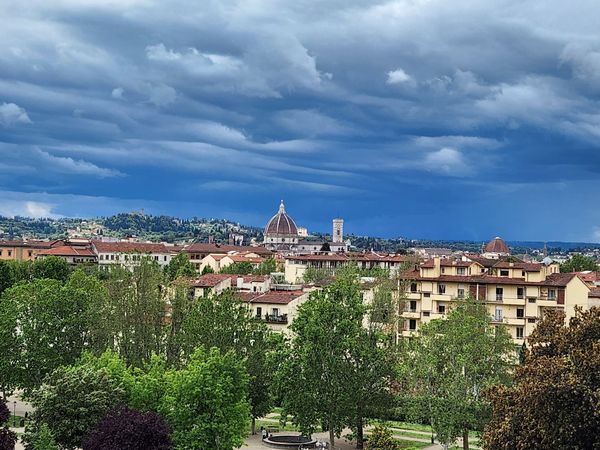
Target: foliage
<point>336,371</point>
<point>554,400</point>
<point>71,402</point>
<point>43,439</point>
<point>207,269</point>
<point>179,266</point>
<point>315,275</point>
<point>135,310</point>
<point>381,439</point>
<point>127,429</point>
<point>452,361</point>
<point>579,263</point>
<point>206,402</point>
<point>4,413</point>
<point>226,323</point>
<point>43,325</point>
<point>238,268</point>
<point>52,267</point>
<point>266,267</point>
<point>8,439</point>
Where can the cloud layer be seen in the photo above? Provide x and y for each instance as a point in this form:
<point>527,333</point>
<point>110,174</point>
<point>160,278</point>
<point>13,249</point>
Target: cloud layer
<point>422,118</point>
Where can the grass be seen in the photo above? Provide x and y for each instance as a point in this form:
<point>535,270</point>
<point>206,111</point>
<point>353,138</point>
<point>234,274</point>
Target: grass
<point>13,420</point>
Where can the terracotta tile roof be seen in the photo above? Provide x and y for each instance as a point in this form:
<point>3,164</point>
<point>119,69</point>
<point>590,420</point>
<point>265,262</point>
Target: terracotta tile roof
<point>594,292</point>
<point>68,250</point>
<point>496,245</point>
<point>271,297</point>
<point>430,263</point>
<point>555,279</point>
<point>211,279</point>
<point>255,278</point>
<point>358,257</point>
<point>223,249</point>
<point>530,267</point>
<point>132,247</point>
<point>241,258</point>
<point>589,276</point>
<point>31,243</point>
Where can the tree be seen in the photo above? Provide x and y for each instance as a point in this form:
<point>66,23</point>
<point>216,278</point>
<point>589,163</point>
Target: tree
<point>71,402</point>
<point>337,371</point>
<point>43,325</point>
<point>6,278</point>
<point>8,438</point>
<point>207,269</point>
<point>315,275</point>
<point>179,266</point>
<point>554,400</point>
<point>51,267</point>
<point>579,263</point>
<point>266,267</point>
<point>206,402</point>
<point>43,439</point>
<point>127,429</point>
<point>238,268</point>
<point>224,322</point>
<point>453,361</point>
<point>135,311</point>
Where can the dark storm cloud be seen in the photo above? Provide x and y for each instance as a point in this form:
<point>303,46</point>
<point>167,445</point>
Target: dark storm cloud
<point>398,115</point>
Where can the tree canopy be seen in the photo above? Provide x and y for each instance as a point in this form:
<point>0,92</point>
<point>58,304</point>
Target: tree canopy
<point>579,263</point>
<point>554,400</point>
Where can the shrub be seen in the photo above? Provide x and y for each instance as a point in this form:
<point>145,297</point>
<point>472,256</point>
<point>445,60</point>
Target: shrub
<point>128,429</point>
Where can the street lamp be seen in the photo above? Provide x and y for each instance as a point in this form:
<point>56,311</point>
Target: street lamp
<point>14,414</point>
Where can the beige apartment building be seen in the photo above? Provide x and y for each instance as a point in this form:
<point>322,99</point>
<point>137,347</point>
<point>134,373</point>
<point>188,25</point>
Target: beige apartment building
<point>517,294</point>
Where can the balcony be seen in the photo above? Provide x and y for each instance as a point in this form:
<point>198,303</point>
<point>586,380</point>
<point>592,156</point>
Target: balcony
<point>280,319</point>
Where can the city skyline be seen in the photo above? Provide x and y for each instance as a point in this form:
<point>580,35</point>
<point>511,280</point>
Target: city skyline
<point>421,119</point>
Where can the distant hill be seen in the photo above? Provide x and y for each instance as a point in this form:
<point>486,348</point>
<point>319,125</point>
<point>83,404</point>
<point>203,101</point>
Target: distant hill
<point>173,229</point>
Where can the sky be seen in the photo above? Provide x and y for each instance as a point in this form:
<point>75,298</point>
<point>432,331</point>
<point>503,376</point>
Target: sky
<point>417,118</point>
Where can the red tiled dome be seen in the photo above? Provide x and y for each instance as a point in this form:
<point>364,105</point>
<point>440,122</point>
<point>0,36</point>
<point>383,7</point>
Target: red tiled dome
<point>496,245</point>
<point>281,224</point>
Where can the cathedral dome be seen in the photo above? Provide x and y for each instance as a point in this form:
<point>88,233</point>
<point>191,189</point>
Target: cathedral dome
<point>497,245</point>
<point>281,224</point>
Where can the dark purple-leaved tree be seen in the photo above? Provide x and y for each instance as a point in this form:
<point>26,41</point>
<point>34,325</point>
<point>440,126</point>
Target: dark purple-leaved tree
<point>127,429</point>
<point>8,439</point>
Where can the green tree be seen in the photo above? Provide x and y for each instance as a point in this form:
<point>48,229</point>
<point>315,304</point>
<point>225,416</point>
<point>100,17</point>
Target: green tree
<point>206,402</point>
<point>554,400</point>
<point>224,322</point>
<point>382,439</point>
<point>266,267</point>
<point>579,263</point>
<point>337,370</point>
<point>181,302</point>
<point>71,402</point>
<point>51,267</point>
<point>238,268</point>
<point>315,275</point>
<point>6,277</point>
<point>43,439</point>
<point>135,311</point>
<point>207,269</point>
<point>46,324</point>
<point>453,361</point>
<point>179,266</point>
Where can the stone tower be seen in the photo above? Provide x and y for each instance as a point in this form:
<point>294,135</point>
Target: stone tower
<point>338,231</point>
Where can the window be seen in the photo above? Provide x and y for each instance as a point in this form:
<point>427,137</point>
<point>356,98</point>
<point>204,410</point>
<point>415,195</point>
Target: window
<point>425,313</point>
<point>413,287</point>
<point>531,320</point>
<point>520,313</point>
<point>519,332</point>
<point>551,294</point>
<point>441,308</point>
<point>531,299</point>
<point>522,273</point>
<point>101,257</point>
<point>498,315</point>
<point>164,258</point>
<point>520,292</point>
<point>413,306</point>
<point>30,253</point>
<point>10,253</point>
<point>412,324</point>
<point>504,273</point>
<point>276,311</point>
<point>460,271</point>
<point>443,270</point>
<point>258,311</point>
<point>499,293</point>
<point>426,294</point>
<point>461,291</point>
<point>441,288</point>
<point>0,252</point>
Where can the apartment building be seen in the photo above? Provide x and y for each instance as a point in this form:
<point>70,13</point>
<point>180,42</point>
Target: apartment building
<point>25,250</point>
<point>516,293</point>
<point>128,254</point>
<point>198,252</point>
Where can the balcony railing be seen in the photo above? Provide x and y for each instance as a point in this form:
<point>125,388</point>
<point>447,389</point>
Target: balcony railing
<point>276,318</point>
